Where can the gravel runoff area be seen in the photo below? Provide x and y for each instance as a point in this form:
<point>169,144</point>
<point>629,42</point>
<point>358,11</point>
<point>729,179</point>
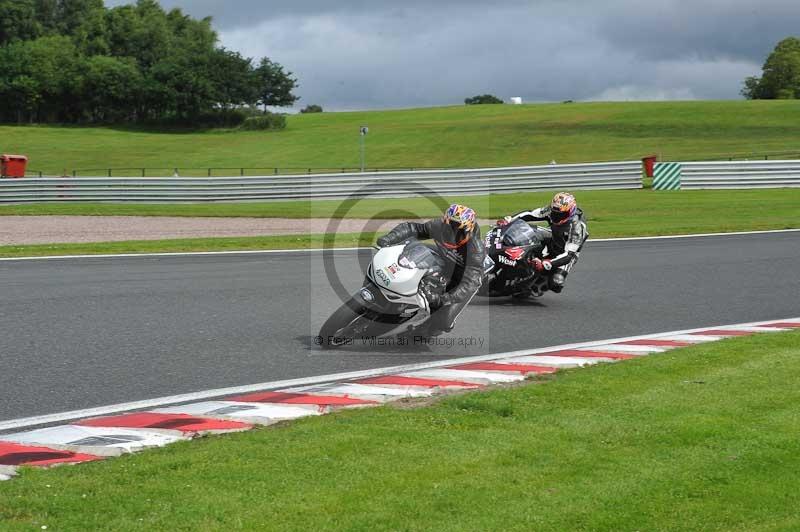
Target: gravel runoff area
<point>22,230</point>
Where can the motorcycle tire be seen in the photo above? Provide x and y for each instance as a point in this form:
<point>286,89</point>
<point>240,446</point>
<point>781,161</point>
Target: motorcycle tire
<point>340,329</point>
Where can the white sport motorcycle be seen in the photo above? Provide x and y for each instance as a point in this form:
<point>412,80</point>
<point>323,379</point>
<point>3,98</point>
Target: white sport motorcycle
<point>391,301</point>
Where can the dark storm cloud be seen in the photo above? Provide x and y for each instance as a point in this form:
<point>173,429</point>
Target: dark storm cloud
<point>360,54</point>
<point>235,13</point>
<point>665,29</point>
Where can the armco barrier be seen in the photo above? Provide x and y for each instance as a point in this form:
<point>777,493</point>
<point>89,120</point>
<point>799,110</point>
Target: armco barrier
<point>612,175</point>
<point>740,174</point>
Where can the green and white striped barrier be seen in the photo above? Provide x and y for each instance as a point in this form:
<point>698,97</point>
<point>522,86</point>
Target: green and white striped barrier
<point>667,176</point>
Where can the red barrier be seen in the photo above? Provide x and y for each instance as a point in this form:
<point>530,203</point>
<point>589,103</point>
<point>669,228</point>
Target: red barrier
<point>649,164</point>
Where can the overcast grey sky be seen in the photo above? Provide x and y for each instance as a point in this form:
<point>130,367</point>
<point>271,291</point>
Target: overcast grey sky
<point>366,54</point>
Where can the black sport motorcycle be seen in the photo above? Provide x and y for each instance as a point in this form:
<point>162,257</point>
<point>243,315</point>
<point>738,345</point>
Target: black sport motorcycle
<point>508,271</point>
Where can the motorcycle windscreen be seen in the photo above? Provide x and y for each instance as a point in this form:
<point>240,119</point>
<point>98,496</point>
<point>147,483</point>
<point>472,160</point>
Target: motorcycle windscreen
<point>519,233</point>
<point>421,256</point>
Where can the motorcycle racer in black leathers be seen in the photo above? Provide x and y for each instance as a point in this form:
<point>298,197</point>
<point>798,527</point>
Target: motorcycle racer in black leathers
<point>458,239</point>
<point>569,230</point>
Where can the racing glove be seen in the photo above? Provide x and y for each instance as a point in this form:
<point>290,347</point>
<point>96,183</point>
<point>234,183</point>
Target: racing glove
<point>542,265</point>
<point>384,241</point>
<point>504,221</point>
<point>435,300</point>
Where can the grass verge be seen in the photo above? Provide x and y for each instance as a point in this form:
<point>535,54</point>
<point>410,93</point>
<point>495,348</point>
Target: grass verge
<point>619,211</point>
<point>616,213</point>
<point>703,438</point>
<point>189,245</point>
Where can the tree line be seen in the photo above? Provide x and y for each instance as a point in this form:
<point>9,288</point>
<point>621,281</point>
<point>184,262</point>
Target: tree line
<point>780,79</point>
<point>76,61</point>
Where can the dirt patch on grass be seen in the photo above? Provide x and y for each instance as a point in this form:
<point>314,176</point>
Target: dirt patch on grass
<point>24,230</point>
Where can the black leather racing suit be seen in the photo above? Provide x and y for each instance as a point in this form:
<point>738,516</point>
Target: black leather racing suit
<point>564,247</point>
<point>465,267</point>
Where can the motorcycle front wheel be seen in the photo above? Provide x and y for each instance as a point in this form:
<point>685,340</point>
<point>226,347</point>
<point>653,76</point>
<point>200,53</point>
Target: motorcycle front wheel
<point>349,322</point>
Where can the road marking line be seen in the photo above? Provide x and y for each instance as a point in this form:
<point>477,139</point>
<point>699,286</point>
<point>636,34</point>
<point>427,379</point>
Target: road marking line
<point>362,391</point>
<point>49,419</point>
<point>505,366</point>
<point>260,413</point>
<point>317,250</point>
<point>478,377</point>
<point>557,362</point>
<point>693,338</point>
<point>97,441</point>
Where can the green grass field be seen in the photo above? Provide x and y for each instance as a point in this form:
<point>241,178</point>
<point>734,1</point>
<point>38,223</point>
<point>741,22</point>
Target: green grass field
<point>460,136</point>
<point>704,438</point>
<point>191,245</point>
<point>611,214</point>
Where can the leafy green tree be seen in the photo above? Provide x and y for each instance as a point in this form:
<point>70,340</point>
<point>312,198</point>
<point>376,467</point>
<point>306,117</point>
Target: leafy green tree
<point>483,99</point>
<point>140,31</point>
<point>18,21</point>
<point>91,29</point>
<point>781,74</point>
<point>72,14</point>
<point>183,87</point>
<point>274,85</point>
<point>752,88</point>
<point>76,60</point>
<point>233,79</point>
<point>110,86</point>
<point>44,77</point>
<point>22,95</point>
<point>313,108</point>
<point>47,15</point>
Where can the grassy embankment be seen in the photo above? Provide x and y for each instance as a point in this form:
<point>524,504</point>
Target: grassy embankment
<point>459,136</point>
<point>704,438</point>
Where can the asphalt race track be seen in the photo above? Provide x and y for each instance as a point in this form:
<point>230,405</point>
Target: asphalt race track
<point>78,333</point>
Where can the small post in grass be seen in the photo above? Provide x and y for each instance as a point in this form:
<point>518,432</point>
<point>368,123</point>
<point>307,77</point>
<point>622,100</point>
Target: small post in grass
<point>364,130</point>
